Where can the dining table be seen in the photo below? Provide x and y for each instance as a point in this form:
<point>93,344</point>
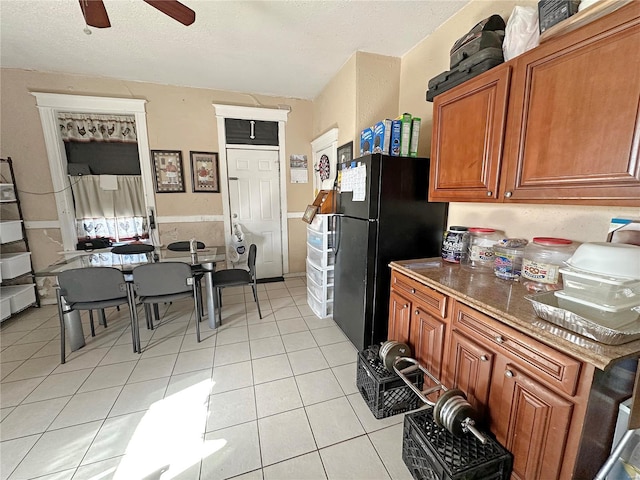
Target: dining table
<point>203,264</point>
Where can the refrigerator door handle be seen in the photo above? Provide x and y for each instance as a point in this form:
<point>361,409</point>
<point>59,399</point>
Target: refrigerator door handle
<point>336,228</point>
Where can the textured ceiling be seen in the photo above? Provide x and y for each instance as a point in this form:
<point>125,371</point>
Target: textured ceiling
<point>285,48</point>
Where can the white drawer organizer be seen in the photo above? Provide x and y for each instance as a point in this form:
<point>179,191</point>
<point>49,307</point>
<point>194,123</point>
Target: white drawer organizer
<point>320,258</point>
<point>16,267</point>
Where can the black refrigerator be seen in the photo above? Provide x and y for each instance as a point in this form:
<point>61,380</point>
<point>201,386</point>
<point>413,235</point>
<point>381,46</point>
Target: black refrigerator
<point>382,215</point>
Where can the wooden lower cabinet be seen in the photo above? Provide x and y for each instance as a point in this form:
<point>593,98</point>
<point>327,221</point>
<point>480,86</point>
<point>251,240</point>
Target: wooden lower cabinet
<point>532,422</point>
<point>427,340</point>
<point>399,318</point>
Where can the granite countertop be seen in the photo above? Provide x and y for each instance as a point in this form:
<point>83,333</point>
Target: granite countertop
<point>504,301</point>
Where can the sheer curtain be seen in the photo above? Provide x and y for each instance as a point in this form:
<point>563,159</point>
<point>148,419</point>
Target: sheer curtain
<point>115,213</point>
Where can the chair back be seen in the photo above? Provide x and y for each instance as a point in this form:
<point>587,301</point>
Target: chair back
<point>163,278</point>
<point>183,246</point>
<point>132,248</point>
<point>253,250</point>
<point>92,284</point>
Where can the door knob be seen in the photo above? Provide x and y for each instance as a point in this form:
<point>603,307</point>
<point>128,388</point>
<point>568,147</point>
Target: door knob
<point>235,215</point>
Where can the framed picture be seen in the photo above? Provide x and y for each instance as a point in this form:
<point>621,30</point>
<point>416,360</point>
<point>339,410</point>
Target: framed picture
<point>309,213</point>
<point>345,153</point>
<point>204,172</point>
<point>167,170</point>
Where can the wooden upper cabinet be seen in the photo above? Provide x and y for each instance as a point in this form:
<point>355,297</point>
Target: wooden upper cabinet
<point>574,118</point>
<point>572,130</point>
<point>468,127</point>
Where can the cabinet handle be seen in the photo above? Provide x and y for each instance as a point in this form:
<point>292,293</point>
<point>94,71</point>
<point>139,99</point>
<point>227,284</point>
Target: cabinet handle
<point>508,194</point>
<point>483,358</point>
<point>489,193</point>
<point>499,339</point>
<point>252,135</point>
<point>406,305</point>
<point>508,373</point>
<point>413,290</point>
<point>417,312</point>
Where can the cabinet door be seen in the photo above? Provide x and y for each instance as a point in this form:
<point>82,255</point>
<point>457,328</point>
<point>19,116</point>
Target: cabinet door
<point>468,129</point>
<point>399,318</point>
<point>427,339</point>
<point>532,422</point>
<point>470,367</point>
<point>574,119</point>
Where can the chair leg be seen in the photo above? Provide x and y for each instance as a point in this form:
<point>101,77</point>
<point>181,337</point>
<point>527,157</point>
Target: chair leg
<point>103,318</point>
<point>62,332</point>
<point>219,295</point>
<point>133,314</point>
<point>255,296</point>
<point>147,316</point>
<point>197,301</point>
<point>156,313</point>
<point>93,328</point>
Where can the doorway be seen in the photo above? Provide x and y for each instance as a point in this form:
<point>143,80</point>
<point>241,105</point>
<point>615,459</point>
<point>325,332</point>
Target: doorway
<point>276,249</point>
<point>49,105</point>
<point>254,201</point>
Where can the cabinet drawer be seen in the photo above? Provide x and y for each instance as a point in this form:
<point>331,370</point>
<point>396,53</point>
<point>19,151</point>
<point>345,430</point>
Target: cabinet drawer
<point>434,302</point>
<point>547,364</point>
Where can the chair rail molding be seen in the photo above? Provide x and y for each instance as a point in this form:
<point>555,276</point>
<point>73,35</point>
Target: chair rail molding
<point>49,104</point>
<point>254,113</point>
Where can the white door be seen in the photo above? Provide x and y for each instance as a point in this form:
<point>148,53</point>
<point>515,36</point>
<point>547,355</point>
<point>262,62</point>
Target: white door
<point>254,200</point>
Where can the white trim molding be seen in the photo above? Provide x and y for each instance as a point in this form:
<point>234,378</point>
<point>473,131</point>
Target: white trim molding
<point>49,104</point>
<point>189,218</point>
<point>254,113</point>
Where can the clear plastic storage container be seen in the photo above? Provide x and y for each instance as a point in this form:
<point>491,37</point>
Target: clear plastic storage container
<point>600,289</point>
<point>507,258</point>
<point>478,256</point>
<point>543,258</point>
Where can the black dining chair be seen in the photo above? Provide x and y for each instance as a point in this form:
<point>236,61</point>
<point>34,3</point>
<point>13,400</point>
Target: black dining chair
<point>184,246</point>
<point>163,282</point>
<point>232,277</point>
<point>90,288</point>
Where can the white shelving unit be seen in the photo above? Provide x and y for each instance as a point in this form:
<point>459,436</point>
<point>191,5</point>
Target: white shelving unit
<point>320,258</point>
<point>18,290</point>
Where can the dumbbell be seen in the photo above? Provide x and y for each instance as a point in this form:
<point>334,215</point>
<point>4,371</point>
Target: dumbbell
<point>451,411</point>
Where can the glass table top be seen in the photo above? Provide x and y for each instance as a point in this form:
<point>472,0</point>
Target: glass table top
<point>127,262</point>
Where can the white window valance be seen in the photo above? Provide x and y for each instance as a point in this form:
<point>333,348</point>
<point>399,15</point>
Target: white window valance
<point>82,127</point>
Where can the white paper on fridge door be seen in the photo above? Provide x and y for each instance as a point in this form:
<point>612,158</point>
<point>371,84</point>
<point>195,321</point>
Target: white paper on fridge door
<point>360,184</point>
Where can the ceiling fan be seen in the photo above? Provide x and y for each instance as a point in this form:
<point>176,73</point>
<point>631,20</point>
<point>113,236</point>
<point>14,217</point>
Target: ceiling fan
<point>95,14</point>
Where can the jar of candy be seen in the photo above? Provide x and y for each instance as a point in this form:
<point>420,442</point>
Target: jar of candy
<point>542,261</point>
<point>508,254</point>
<point>478,256</point>
<point>453,244</point>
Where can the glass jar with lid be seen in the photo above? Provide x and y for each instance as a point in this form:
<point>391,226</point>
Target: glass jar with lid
<point>453,244</point>
<point>542,261</point>
<point>478,256</point>
<point>507,258</point>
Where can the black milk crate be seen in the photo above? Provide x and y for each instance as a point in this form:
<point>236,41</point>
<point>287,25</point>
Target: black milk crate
<point>385,392</point>
<point>432,452</point>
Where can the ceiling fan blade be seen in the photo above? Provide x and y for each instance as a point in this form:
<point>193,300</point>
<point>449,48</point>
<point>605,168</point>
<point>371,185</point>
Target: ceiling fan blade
<point>175,10</point>
<point>94,13</point>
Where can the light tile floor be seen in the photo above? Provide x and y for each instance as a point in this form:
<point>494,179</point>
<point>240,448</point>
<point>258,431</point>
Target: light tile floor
<point>258,399</point>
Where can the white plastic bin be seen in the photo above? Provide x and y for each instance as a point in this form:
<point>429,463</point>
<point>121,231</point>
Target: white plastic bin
<point>321,223</point>
<point>13,265</point>
<point>7,193</point>
<point>320,276</point>
<point>5,308</point>
<point>321,241</point>
<point>10,231</point>
<point>321,292</point>
<point>20,296</point>
<point>321,308</point>
<point>317,257</point>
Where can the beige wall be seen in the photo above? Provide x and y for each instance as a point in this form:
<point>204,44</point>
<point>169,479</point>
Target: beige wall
<point>431,57</point>
<point>178,118</point>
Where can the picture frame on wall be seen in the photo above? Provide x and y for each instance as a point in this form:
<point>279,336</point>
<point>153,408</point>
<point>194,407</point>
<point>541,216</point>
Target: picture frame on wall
<point>168,172</point>
<point>345,153</point>
<point>205,176</point>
